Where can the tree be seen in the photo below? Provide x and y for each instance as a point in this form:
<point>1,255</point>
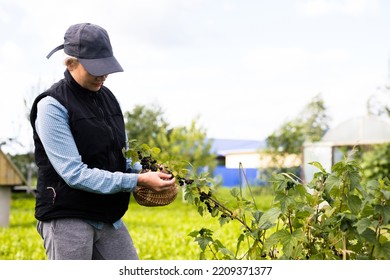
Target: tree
<point>378,104</point>
<point>375,160</point>
<point>25,161</point>
<point>144,123</point>
<point>181,144</point>
<point>314,119</point>
<point>188,144</point>
<point>309,125</point>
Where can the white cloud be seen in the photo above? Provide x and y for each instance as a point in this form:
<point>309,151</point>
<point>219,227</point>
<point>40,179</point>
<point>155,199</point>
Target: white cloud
<point>4,16</point>
<point>278,64</point>
<point>11,54</point>
<point>347,7</point>
<point>243,67</point>
<point>274,63</point>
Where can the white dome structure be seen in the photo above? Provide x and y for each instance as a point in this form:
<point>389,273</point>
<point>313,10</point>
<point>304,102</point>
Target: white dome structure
<point>364,130</point>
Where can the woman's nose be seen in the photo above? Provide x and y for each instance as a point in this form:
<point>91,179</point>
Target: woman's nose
<point>102,78</point>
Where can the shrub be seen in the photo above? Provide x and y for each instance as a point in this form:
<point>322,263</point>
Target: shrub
<point>331,217</point>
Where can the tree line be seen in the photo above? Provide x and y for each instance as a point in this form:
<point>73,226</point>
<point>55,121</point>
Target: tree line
<point>147,124</point>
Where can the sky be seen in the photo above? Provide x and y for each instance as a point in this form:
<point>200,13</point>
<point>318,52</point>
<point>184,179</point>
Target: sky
<point>241,68</point>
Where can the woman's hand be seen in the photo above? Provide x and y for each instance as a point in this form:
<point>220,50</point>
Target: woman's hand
<point>156,181</point>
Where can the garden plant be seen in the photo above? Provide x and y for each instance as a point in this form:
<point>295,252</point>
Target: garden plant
<point>335,216</point>
<point>331,217</point>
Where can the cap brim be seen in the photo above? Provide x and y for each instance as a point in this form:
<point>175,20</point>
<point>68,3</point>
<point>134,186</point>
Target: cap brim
<point>101,66</point>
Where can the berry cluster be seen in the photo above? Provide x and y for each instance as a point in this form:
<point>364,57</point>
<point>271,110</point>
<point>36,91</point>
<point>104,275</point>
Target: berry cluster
<point>148,163</point>
<point>290,185</point>
<point>205,198</point>
<point>224,216</point>
<point>184,181</point>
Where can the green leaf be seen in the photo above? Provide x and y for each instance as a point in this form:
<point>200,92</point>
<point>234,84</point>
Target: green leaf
<point>373,185</point>
<point>145,147</point>
<point>362,225</point>
<point>155,151</point>
<point>266,225</point>
<point>301,190</point>
<point>202,255</point>
<point>355,180</point>
<point>335,193</point>
<point>369,235</point>
<point>338,167</point>
<point>354,204</point>
<point>318,165</point>
<point>218,244</point>
<point>302,214</point>
<point>214,212</point>
<point>224,220</point>
<point>205,189</point>
<point>299,235</point>
<point>386,214</point>
<point>279,182</point>
<point>382,251</point>
<point>203,241</point>
<point>235,192</point>
<point>227,253</point>
<point>291,241</point>
<point>269,217</point>
<point>240,239</point>
<point>384,211</point>
<point>275,238</point>
<point>367,210</point>
<point>386,194</point>
<point>200,210</point>
<point>194,233</point>
<point>286,201</point>
<point>331,182</point>
<point>257,215</point>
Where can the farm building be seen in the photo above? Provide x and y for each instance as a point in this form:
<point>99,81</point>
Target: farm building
<point>10,176</point>
<point>236,155</point>
<point>358,131</point>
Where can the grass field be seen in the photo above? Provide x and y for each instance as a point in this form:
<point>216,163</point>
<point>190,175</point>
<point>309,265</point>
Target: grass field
<point>159,233</point>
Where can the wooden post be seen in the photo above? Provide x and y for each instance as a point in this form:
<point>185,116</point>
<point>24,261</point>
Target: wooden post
<point>9,176</point>
<point>5,205</point>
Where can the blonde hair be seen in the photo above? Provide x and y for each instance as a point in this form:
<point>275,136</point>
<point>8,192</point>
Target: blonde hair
<point>70,60</point>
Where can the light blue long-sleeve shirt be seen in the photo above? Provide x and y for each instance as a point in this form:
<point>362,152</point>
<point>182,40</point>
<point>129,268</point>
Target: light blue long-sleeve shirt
<point>52,126</point>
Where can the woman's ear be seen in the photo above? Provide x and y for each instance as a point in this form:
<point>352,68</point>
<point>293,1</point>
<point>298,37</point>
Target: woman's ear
<point>71,64</point>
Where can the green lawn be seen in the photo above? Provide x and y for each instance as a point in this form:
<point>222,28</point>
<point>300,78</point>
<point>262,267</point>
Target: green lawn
<point>158,233</point>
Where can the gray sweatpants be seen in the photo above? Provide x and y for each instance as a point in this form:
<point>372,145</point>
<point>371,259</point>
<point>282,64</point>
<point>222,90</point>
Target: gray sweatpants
<point>75,239</point>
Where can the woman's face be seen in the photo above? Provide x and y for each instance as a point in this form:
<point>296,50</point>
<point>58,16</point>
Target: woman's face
<point>84,79</point>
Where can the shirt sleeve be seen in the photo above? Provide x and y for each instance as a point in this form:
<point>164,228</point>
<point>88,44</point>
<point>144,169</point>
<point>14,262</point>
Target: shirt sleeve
<point>52,126</point>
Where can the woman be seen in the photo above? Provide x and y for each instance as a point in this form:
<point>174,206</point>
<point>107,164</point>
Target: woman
<point>84,183</point>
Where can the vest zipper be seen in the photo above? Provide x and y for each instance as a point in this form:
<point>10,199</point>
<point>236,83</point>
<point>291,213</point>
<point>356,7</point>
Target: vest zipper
<point>104,116</point>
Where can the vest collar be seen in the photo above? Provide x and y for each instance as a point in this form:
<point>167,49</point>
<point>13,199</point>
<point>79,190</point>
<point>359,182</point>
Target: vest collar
<point>75,86</point>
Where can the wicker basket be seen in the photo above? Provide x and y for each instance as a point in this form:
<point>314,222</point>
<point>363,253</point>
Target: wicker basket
<point>149,198</point>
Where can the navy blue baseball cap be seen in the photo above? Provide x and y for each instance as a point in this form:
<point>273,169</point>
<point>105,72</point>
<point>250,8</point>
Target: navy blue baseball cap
<point>90,44</point>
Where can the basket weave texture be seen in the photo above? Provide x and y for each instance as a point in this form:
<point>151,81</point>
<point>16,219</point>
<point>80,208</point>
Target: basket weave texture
<point>146,197</point>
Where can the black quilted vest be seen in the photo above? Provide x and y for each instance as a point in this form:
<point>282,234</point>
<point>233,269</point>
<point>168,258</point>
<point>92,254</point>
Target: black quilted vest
<point>97,125</point>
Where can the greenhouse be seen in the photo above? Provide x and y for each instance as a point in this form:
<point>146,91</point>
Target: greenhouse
<point>358,131</point>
